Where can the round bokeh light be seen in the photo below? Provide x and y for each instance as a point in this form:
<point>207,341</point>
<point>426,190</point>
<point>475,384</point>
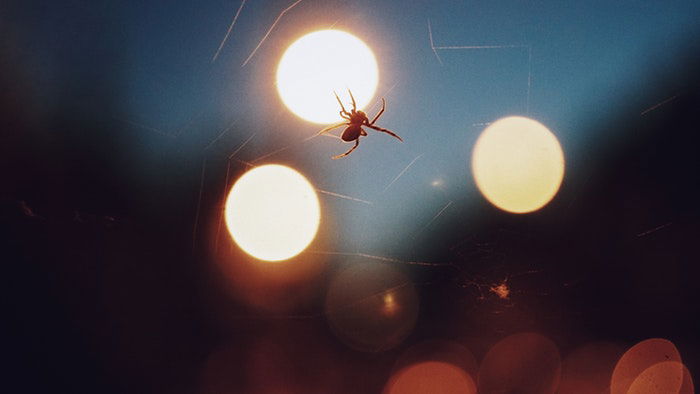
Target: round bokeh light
<point>518,164</point>
<point>322,62</point>
<point>272,212</point>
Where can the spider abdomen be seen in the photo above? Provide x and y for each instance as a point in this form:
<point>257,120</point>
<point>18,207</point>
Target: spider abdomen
<point>351,133</point>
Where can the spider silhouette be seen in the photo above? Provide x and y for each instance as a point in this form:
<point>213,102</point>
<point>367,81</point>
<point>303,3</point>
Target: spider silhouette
<point>355,120</point>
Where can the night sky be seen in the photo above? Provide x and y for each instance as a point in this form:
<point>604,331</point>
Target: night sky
<point>116,135</point>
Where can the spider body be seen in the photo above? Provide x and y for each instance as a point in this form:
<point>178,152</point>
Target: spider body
<point>354,121</point>
<point>352,132</point>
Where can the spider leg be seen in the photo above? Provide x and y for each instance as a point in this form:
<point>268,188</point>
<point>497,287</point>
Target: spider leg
<point>354,106</point>
<point>331,127</point>
<point>344,115</point>
<point>380,112</point>
<point>357,142</point>
<point>383,130</point>
<point>341,106</point>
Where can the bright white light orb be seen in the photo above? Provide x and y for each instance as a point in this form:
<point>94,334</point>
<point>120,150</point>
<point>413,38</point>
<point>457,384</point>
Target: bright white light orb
<point>272,212</point>
<point>518,164</point>
<point>319,63</point>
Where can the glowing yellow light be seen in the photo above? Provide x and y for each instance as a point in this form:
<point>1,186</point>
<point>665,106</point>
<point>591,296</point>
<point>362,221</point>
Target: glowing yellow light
<point>317,64</point>
<point>518,164</point>
<point>272,212</point>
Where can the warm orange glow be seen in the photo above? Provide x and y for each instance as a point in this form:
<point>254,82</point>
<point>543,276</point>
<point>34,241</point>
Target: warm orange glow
<point>501,290</point>
<point>317,64</point>
<point>518,164</point>
<point>665,377</point>
<point>390,305</point>
<point>521,363</point>
<point>445,351</point>
<point>272,212</point>
<point>637,359</point>
<point>371,307</point>
<point>687,387</point>
<point>431,377</point>
<point>587,370</point>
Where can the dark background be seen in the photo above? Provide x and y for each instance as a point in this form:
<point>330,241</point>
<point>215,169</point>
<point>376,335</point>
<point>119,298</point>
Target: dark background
<point>106,289</point>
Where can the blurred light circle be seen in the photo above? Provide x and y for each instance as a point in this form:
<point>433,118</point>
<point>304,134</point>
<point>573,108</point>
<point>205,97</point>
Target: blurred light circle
<point>524,363</point>
<point>439,350</point>
<point>431,377</point>
<point>661,378</point>
<point>688,387</point>
<point>518,164</point>
<point>371,307</point>
<point>588,369</point>
<point>287,360</point>
<point>637,359</point>
<point>272,212</point>
<point>319,63</point>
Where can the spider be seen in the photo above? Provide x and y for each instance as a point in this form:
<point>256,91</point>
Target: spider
<point>355,120</point>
